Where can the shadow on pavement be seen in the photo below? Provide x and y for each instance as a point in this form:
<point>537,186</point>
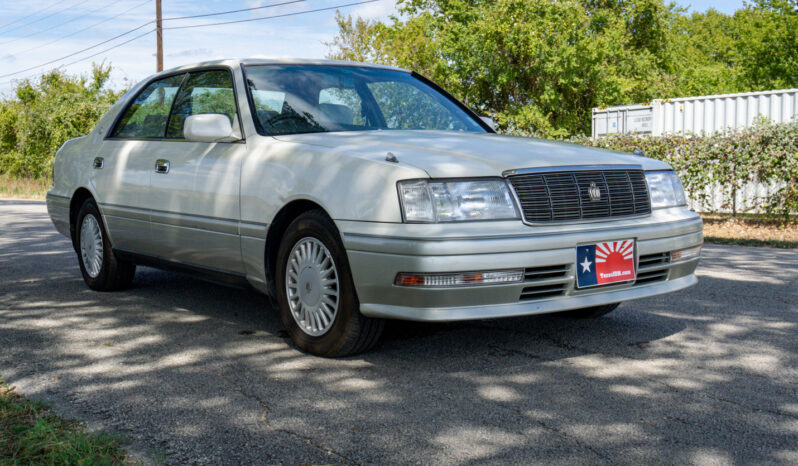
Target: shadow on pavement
<point>204,374</point>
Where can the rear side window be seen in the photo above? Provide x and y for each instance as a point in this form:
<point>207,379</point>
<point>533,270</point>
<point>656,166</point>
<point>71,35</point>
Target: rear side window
<point>146,117</point>
<point>203,92</point>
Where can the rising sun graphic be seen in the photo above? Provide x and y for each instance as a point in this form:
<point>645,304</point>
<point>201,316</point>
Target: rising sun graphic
<point>606,251</point>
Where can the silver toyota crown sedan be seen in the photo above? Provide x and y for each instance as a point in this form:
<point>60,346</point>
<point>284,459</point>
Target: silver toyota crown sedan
<point>352,193</point>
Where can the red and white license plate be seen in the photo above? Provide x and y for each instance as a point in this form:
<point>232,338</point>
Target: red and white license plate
<point>605,263</point>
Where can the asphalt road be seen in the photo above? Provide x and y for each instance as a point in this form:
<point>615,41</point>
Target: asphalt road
<point>191,372</point>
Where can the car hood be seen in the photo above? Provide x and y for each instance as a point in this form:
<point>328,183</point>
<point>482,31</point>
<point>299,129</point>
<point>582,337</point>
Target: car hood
<point>444,154</point>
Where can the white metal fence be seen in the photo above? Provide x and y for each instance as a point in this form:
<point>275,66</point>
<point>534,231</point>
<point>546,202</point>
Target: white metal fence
<point>703,115</point>
<point>696,115</point>
<point>746,199</point>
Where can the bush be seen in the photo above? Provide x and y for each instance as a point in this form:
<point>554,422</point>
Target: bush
<point>725,162</point>
<point>44,114</point>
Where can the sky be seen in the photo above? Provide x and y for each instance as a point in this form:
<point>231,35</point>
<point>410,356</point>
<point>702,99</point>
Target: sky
<point>36,34</point>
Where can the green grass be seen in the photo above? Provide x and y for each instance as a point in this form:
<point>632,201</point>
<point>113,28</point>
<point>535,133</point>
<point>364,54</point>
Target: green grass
<point>23,188</point>
<point>752,242</point>
<point>31,434</point>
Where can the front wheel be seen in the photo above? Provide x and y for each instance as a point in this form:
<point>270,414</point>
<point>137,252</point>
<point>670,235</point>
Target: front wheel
<point>316,294</point>
<point>101,269</point>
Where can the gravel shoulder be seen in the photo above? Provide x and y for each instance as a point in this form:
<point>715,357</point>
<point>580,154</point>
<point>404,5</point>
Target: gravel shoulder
<point>192,372</point>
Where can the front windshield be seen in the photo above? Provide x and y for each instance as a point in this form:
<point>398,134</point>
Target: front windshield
<point>291,99</point>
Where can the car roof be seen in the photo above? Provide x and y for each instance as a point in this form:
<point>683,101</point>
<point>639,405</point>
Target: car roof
<point>233,62</point>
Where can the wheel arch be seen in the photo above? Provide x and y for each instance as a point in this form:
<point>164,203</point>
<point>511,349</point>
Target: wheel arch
<point>277,229</point>
<point>78,198</point>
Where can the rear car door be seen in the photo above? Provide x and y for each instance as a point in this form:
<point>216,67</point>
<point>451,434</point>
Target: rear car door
<point>123,164</point>
<point>194,186</point>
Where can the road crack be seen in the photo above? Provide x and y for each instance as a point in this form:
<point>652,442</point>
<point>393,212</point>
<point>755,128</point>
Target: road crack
<point>267,421</point>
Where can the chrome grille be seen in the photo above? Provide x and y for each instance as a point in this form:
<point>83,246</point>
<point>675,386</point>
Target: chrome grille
<point>557,196</point>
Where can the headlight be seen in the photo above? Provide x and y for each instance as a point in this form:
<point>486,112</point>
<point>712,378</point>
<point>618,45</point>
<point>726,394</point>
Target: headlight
<point>665,189</point>
<point>456,201</point>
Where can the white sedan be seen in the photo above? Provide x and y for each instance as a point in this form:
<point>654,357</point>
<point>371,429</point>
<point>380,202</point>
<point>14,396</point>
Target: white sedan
<point>353,193</point>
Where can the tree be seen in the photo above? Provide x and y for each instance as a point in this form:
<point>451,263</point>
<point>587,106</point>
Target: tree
<point>540,66</point>
<point>45,113</point>
<point>766,36</point>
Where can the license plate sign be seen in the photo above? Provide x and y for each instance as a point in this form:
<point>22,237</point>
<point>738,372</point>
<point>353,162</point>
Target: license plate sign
<point>605,263</point>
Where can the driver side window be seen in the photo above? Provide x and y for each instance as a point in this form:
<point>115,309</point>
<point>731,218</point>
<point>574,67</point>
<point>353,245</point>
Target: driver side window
<point>203,92</point>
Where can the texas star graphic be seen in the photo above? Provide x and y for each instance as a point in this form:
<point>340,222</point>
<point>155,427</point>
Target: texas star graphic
<point>586,265</point>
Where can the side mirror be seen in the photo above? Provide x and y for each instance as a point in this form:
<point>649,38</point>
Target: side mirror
<point>490,122</point>
<point>209,127</point>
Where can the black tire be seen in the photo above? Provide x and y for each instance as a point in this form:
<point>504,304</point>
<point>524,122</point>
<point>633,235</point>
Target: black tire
<point>114,273</point>
<point>590,312</point>
<point>351,332</point>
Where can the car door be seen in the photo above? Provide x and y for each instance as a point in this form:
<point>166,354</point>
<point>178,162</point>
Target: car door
<point>194,186</point>
<point>122,166</point>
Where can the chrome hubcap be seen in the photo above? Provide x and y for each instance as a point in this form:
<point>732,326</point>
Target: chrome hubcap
<point>91,245</point>
<point>311,284</point>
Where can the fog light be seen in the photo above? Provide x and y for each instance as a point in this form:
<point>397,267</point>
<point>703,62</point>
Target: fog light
<point>686,254</point>
<point>459,278</point>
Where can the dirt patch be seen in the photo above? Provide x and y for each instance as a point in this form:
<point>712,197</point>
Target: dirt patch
<point>750,231</point>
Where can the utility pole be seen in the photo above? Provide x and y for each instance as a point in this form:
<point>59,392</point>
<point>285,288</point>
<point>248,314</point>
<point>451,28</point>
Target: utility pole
<point>159,34</point>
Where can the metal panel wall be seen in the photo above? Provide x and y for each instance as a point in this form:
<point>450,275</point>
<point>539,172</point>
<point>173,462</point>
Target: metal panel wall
<point>634,119</point>
<point>696,115</point>
<point>709,114</point>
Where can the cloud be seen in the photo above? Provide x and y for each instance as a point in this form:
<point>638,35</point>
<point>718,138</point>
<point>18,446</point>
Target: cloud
<point>293,36</point>
<point>191,53</point>
<point>378,10</point>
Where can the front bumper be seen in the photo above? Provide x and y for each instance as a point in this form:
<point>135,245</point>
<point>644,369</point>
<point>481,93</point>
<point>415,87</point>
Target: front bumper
<point>378,251</point>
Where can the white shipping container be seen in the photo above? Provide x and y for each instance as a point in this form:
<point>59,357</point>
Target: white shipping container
<point>696,115</point>
<point>633,119</point>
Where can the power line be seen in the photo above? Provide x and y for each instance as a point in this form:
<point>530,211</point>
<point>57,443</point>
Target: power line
<point>98,53</point>
<point>28,16</point>
<point>254,19</point>
<point>78,52</point>
<point>126,33</point>
<point>174,27</point>
<point>71,20</point>
<point>84,29</point>
<point>46,16</point>
<point>272,5</point>
<point>273,16</point>
<point>109,48</point>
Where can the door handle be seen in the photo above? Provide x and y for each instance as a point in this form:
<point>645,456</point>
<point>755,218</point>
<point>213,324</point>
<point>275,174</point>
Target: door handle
<point>99,162</point>
<point>162,166</point>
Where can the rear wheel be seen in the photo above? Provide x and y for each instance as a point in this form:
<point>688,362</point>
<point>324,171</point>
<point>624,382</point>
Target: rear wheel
<point>591,312</point>
<point>315,292</point>
<point>101,269</point>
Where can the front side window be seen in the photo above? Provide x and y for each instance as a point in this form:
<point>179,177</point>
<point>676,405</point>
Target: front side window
<point>291,99</point>
<point>203,92</point>
<point>146,117</point>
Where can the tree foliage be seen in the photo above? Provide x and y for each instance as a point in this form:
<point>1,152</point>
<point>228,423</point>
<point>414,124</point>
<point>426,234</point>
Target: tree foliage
<point>43,114</point>
<point>539,66</point>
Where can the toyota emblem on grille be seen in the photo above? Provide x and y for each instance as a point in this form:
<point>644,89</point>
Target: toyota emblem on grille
<point>594,192</point>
